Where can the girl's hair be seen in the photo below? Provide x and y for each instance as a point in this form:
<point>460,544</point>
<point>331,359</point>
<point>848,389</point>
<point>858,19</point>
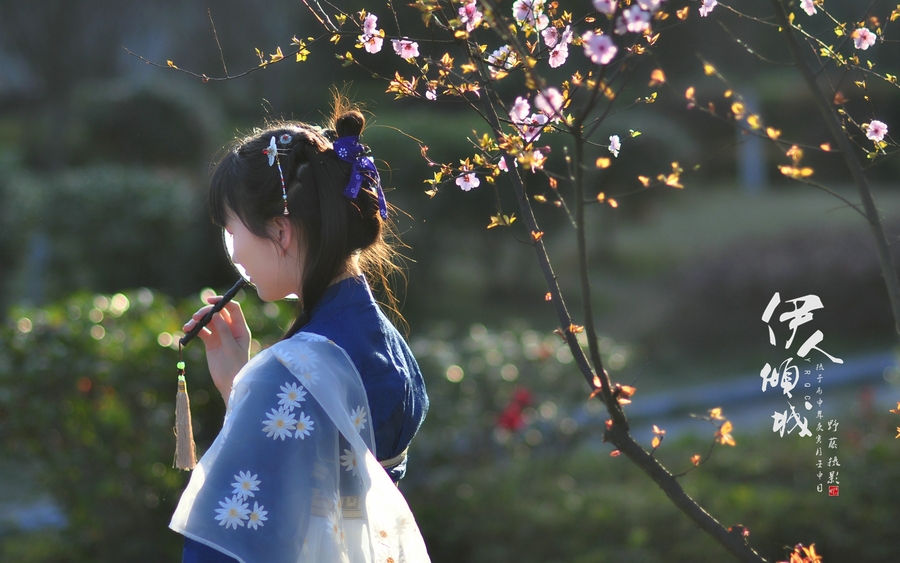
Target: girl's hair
<point>331,227</point>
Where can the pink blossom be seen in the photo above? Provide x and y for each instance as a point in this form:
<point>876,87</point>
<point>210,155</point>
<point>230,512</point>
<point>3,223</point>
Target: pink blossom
<point>605,6</point>
<point>502,164</point>
<point>808,6</point>
<point>599,48</point>
<point>615,145</point>
<point>531,127</point>
<point>519,110</point>
<point>551,36</point>
<point>633,20</point>
<point>468,180</point>
<point>875,130</point>
<point>537,161</point>
<point>531,12</point>
<point>470,15</point>
<point>369,25</point>
<point>707,7</point>
<point>863,38</point>
<point>504,58</point>
<point>550,102</point>
<point>372,43</point>
<point>558,55</point>
<point>405,48</point>
<point>651,6</point>
<point>558,44</point>
<point>371,38</point>
<point>431,92</point>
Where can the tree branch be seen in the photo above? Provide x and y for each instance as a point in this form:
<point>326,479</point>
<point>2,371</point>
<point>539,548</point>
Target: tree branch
<point>888,269</point>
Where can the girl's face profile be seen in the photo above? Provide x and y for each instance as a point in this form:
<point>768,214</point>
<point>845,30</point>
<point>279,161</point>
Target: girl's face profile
<point>262,261</point>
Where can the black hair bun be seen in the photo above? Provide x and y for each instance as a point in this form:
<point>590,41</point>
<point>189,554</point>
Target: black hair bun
<point>349,124</point>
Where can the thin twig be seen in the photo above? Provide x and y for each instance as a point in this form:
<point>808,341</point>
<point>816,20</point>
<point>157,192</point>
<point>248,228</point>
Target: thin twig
<point>216,36</point>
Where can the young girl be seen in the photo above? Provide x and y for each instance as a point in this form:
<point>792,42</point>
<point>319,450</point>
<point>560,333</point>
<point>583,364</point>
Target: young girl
<point>318,425</point>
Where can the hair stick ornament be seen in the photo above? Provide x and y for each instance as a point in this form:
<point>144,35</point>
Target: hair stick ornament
<point>185,449</point>
<point>272,152</point>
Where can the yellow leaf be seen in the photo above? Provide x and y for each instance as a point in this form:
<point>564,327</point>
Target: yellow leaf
<point>277,56</point>
<point>613,203</point>
<point>601,196</point>
<point>695,459</point>
<point>728,93</point>
<point>540,199</point>
<point>795,152</point>
<point>656,441</point>
<point>537,235</point>
<point>644,180</point>
<point>603,162</point>
<point>634,133</point>
<point>753,122</point>
<point>468,68</point>
<point>689,94</point>
<point>658,431</point>
<point>716,413</point>
<point>773,133</point>
<point>737,108</point>
<point>825,147</point>
<point>575,329</point>
<point>171,64</point>
<point>548,296</point>
<point>657,77</point>
<point>682,14</point>
<point>709,69</point>
<point>839,31</point>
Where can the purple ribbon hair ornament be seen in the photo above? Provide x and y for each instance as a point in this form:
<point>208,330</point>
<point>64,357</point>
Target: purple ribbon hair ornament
<point>363,173</point>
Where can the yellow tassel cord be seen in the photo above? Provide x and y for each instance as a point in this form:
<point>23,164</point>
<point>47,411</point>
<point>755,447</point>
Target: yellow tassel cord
<point>185,450</point>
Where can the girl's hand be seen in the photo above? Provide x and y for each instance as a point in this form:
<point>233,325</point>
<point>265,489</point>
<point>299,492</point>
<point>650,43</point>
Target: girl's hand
<point>227,341</point>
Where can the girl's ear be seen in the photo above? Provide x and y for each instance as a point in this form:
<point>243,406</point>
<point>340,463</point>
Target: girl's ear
<point>283,231</point>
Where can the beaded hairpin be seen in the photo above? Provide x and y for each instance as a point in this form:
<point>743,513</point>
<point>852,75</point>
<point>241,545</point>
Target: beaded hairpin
<point>272,152</point>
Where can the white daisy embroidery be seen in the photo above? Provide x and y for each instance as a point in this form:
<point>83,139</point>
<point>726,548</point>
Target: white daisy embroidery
<point>244,485</point>
<point>348,460</point>
<point>358,416</point>
<point>308,377</point>
<point>257,516</point>
<point>280,424</point>
<point>291,396</point>
<point>335,529</point>
<point>304,426</point>
<point>303,359</point>
<point>233,512</point>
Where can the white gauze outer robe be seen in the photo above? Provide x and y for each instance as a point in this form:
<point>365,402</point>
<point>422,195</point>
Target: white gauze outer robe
<point>292,476</point>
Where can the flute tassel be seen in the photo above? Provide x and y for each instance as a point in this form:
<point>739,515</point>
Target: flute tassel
<point>185,449</point>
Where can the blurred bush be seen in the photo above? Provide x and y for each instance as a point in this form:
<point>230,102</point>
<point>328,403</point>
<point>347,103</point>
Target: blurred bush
<point>508,466</point>
<point>490,481</point>
<point>87,389</point>
<point>103,228</point>
<point>839,265</point>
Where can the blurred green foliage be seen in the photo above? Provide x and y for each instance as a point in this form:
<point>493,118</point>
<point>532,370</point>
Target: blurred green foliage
<point>550,492</point>
<point>103,228</point>
<point>87,401</point>
<point>87,404</point>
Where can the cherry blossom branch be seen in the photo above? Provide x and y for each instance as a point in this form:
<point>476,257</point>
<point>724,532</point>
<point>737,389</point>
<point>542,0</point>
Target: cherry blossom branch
<point>888,269</point>
<point>618,432</point>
